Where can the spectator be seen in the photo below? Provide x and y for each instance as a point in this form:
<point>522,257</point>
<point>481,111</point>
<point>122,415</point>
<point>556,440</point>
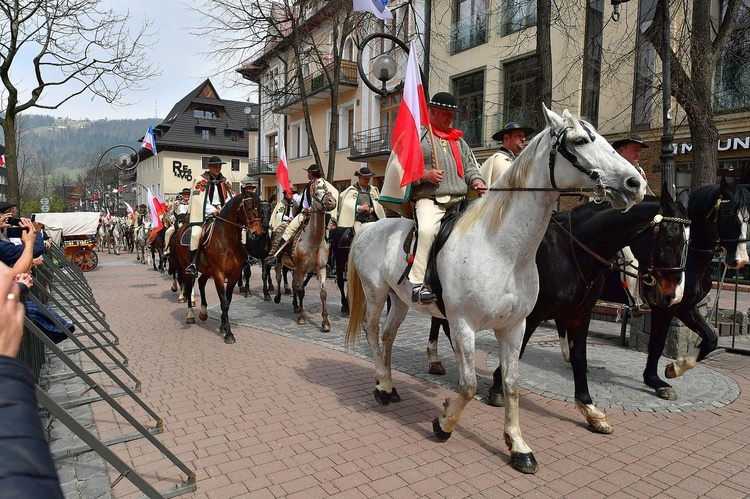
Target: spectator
<point>20,257</point>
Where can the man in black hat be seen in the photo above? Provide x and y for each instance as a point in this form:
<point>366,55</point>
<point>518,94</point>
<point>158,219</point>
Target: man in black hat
<point>180,209</point>
<point>513,139</point>
<point>447,177</point>
<point>358,203</point>
<point>305,206</point>
<point>630,148</point>
<point>210,193</point>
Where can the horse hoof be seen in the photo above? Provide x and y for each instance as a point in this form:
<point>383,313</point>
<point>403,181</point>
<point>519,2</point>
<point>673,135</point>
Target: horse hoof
<point>441,435</point>
<point>190,320</point>
<point>266,297</point>
<point>524,462</point>
<point>495,399</point>
<point>344,312</point>
<point>242,289</point>
<point>181,300</point>
<point>436,368</point>
<point>277,299</point>
<point>382,397</point>
<point>600,425</point>
<point>174,288</point>
<point>395,397</point>
<point>666,393</point>
<point>203,316</point>
<point>301,321</point>
<point>670,372</point>
<point>229,339</point>
<point>326,328</point>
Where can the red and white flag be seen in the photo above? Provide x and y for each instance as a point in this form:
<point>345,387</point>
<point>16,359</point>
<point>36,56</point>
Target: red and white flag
<point>282,172</point>
<point>412,114</point>
<point>130,209</point>
<point>154,206</point>
<point>2,160</point>
<point>149,140</point>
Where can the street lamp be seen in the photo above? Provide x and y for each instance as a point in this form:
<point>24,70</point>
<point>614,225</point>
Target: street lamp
<point>383,66</point>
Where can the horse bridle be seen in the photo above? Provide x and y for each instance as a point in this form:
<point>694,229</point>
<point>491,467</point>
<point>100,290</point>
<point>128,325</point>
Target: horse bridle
<point>319,199</point>
<point>716,212</point>
<point>241,207</point>
<point>648,277</point>
<point>559,145</point>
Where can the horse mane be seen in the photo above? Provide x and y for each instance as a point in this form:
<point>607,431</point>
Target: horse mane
<point>494,205</point>
<point>703,199</point>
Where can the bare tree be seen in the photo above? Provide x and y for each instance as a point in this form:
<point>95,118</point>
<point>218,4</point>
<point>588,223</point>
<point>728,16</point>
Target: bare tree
<point>245,31</point>
<point>74,48</point>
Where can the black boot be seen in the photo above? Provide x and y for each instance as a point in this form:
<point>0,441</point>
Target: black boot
<point>273,259</point>
<point>192,269</point>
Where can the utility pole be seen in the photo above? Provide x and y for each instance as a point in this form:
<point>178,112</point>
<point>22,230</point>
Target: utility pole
<point>667,139</point>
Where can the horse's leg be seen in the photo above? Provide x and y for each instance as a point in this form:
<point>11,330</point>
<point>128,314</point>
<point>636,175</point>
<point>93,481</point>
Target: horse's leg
<point>661,318</point>
<point>298,284</point>
<point>562,334</point>
<point>385,392</point>
<point>326,325</point>
<point>203,314</point>
<point>341,256</point>
<point>509,348</point>
<point>577,332</point>
<point>225,299</point>
<point>287,289</point>
<point>153,257</point>
<point>189,280</point>
<point>495,394</point>
<point>695,321</point>
<point>265,277</point>
<point>436,367</point>
<point>277,298</point>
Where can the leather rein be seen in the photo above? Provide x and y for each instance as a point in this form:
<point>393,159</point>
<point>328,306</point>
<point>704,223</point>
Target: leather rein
<point>716,212</point>
<point>241,207</point>
<point>648,277</point>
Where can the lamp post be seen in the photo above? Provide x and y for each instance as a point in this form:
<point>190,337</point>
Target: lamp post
<point>383,66</point>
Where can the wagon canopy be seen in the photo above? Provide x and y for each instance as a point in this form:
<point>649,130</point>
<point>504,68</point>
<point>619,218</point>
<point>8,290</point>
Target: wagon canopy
<point>79,223</point>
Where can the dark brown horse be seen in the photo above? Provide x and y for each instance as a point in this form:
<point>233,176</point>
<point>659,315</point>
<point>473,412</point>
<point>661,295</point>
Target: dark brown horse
<point>223,257</point>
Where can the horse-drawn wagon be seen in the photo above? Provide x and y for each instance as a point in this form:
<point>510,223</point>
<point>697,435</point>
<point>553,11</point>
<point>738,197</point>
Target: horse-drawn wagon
<point>75,233</point>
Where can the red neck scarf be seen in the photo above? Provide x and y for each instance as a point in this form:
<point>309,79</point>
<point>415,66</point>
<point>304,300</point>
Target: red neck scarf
<point>452,136</point>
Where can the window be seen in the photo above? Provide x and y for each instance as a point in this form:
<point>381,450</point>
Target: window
<point>298,140</point>
<point>204,162</point>
<point>346,125</point>
<point>210,114</point>
<point>235,163</point>
<point>469,27</point>
<point>469,91</point>
<point>643,87</point>
<point>205,134</point>
<point>592,61</point>
<point>235,136</point>
<point>273,148</point>
<point>732,81</point>
<point>517,15</point>
<point>235,185</point>
<point>521,93</point>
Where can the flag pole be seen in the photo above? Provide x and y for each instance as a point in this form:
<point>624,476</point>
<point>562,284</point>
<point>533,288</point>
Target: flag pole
<point>435,162</point>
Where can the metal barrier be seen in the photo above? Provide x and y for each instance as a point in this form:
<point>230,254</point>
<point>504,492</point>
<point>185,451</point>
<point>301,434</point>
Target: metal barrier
<point>713,313</point>
<point>61,286</point>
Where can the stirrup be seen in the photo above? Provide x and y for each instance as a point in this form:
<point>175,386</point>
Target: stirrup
<point>191,269</point>
<point>421,293</point>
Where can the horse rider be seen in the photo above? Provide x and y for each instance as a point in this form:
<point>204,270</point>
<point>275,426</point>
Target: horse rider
<point>513,139</point>
<point>358,203</point>
<point>305,208</point>
<point>446,179</point>
<point>630,148</point>
<point>247,185</point>
<point>211,193</point>
<point>283,211</point>
<point>180,209</point>
<point>140,215</point>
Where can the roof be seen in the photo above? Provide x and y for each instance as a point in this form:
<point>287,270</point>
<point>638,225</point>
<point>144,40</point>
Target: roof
<point>181,129</point>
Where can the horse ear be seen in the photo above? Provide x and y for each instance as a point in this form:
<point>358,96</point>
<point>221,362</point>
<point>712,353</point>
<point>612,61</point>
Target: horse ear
<point>553,119</point>
<point>682,197</point>
<point>666,198</point>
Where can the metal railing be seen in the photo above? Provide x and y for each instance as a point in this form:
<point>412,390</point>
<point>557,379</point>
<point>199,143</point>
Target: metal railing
<point>371,142</point>
<point>263,165</point>
<point>315,83</point>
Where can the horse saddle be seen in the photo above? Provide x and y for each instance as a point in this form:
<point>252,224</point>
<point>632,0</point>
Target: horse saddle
<point>207,231</point>
<point>431,276</point>
<point>279,231</point>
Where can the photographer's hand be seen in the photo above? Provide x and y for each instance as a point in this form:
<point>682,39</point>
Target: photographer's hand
<point>3,218</point>
<point>11,327</point>
<point>28,236</point>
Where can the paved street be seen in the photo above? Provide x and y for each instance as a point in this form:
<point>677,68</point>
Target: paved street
<point>287,411</point>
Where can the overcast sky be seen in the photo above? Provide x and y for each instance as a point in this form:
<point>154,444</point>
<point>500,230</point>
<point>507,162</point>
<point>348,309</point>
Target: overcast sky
<point>178,55</point>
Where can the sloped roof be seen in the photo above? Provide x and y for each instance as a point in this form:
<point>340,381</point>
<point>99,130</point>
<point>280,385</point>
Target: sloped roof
<point>181,129</point>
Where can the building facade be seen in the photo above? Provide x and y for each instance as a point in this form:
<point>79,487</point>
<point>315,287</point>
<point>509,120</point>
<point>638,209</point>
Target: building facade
<point>199,126</point>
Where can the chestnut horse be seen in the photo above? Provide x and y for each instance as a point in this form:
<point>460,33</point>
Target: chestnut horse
<point>222,257</point>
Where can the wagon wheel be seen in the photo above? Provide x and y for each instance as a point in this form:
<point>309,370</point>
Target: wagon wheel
<point>85,259</point>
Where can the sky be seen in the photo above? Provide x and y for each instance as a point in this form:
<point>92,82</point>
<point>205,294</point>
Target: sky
<point>179,55</point>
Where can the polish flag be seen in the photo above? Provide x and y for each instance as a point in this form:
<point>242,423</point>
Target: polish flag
<point>412,114</point>
<point>109,215</point>
<point>2,160</point>
<point>282,172</point>
<point>154,205</point>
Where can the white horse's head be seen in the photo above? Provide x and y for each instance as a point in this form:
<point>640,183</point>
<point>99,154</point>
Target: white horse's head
<point>322,195</point>
<point>583,158</point>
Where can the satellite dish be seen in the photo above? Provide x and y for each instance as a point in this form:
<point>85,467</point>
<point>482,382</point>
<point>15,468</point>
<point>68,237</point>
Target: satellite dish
<point>124,159</point>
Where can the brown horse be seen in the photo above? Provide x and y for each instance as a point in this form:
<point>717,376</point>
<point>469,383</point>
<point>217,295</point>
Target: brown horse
<point>309,253</point>
<point>223,257</point>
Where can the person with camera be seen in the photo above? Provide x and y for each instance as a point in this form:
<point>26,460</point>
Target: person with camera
<point>20,256</point>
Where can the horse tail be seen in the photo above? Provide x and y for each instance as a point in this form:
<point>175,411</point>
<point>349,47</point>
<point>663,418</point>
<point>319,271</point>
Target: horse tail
<point>357,304</point>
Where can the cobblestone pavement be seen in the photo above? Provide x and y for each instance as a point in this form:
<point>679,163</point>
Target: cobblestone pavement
<point>288,412</point>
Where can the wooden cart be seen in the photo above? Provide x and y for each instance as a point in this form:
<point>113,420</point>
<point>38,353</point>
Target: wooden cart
<point>75,233</point>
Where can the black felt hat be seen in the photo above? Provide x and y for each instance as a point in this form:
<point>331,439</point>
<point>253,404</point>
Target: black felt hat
<point>215,160</point>
<point>315,170</point>
<point>186,190</point>
<point>633,138</point>
<point>511,127</point>
<point>444,100</point>
<point>5,206</point>
<point>364,172</point>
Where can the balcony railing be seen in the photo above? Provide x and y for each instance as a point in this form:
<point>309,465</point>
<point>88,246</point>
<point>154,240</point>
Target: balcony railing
<point>466,34</point>
<point>372,142</point>
<point>316,86</point>
<point>263,165</point>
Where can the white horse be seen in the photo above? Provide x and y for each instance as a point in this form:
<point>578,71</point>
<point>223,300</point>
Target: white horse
<point>141,241</point>
<point>486,266</point>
